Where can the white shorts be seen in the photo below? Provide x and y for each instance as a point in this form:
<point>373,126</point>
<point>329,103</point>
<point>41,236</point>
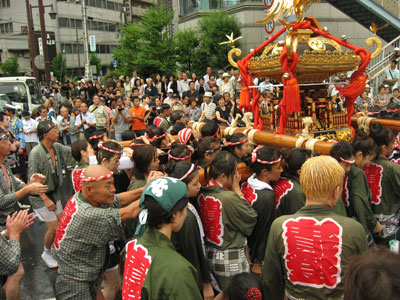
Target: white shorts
<point>46,215</point>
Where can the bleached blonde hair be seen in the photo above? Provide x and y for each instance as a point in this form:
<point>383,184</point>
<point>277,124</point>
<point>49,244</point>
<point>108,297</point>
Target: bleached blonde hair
<point>320,176</point>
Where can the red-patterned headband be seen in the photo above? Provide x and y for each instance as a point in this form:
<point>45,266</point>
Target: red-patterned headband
<point>237,143</point>
<point>192,168</point>
<point>178,158</point>
<point>254,158</point>
<point>347,161</point>
<point>253,294</point>
<point>154,138</point>
<point>136,144</point>
<point>93,137</point>
<point>216,133</point>
<point>96,179</point>
<point>101,146</point>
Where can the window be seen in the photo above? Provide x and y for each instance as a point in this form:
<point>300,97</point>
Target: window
<point>110,5</point>
<point>4,3</point>
<point>63,22</point>
<point>6,28</point>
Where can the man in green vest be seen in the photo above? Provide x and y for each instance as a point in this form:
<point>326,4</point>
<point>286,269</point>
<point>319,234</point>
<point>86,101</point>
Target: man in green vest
<point>100,113</point>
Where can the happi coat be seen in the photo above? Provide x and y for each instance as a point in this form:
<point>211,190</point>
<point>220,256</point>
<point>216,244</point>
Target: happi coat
<point>307,254</point>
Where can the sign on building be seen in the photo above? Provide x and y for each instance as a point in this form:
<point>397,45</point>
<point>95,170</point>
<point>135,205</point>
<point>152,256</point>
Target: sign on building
<point>92,43</point>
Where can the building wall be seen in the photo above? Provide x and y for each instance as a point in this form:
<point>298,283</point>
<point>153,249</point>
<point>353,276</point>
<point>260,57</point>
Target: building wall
<point>68,28</point>
<point>254,34</point>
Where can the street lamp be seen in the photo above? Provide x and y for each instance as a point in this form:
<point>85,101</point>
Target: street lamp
<point>53,16</point>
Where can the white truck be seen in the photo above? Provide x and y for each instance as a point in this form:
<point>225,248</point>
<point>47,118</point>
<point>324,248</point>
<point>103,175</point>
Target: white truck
<point>24,92</point>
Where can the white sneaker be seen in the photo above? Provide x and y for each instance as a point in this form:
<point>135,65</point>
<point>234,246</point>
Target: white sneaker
<point>49,260</point>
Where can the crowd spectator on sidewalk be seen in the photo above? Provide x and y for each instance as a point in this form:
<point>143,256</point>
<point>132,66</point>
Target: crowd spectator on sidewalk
<point>137,113</point>
<point>194,111</point>
<point>100,113</point>
<point>120,117</point>
<point>183,85</point>
<point>43,115</point>
<point>208,106</point>
<point>67,128</point>
<point>226,86</point>
<point>192,92</point>
<point>85,122</point>
<point>29,126</point>
<point>223,114</point>
<point>392,75</point>
<point>208,74</point>
<point>172,84</point>
<point>150,89</point>
<point>382,99</point>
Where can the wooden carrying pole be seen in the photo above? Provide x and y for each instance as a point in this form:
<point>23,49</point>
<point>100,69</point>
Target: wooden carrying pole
<point>392,124</point>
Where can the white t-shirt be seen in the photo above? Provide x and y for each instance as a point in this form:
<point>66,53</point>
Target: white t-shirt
<point>89,117</point>
<point>29,125</point>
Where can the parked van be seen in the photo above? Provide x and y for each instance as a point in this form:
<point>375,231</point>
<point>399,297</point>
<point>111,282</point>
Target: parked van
<point>22,91</point>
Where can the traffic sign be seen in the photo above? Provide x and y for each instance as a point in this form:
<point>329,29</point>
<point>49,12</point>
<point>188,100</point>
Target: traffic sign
<point>115,63</point>
<point>270,27</point>
<point>268,3</point>
<point>39,62</point>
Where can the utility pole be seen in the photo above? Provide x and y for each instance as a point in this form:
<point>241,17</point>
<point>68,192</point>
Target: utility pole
<point>44,43</point>
<point>86,41</point>
<point>31,39</point>
<point>77,49</point>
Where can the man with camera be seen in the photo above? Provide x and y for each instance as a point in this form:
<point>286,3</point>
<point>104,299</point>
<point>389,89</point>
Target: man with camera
<point>120,117</point>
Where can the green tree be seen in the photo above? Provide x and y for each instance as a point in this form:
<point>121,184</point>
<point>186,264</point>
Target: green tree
<point>95,61</point>
<point>213,29</point>
<point>147,47</point>
<point>156,50</point>
<point>10,67</point>
<point>186,42</point>
<point>59,66</point>
<point>126,51</point>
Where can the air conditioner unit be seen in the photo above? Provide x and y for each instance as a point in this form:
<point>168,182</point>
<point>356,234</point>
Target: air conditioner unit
<point>24,29</point>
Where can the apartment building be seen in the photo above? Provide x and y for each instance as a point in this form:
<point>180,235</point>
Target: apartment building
<point>65,32</point>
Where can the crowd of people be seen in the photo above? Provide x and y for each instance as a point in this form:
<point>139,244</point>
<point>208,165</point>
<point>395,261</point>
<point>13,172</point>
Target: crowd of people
<point>140,223</point>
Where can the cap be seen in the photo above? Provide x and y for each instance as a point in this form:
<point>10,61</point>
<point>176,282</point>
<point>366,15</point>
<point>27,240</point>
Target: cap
<point>220,72</point>
<point>175,96</point>
<point>225,75</point>
<point>167,192</point>
<point>9,107</point>
<point>102,99</point>
<point>170,91</point>
<point>208,94</point>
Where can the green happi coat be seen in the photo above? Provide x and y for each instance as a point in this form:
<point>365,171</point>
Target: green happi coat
<point>136,183</point>
<point>262,198</point>
<point>154,270</point>
<point>307,254</point>
<point>227,220</point>
<point>130,225</point>
<point>384,181</point>
<point>190,244</point>
<point>39,163</point>
<point>289,194</point>
<point>357,199</point>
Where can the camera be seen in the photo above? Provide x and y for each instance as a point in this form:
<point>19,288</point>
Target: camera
<point>120,108</point>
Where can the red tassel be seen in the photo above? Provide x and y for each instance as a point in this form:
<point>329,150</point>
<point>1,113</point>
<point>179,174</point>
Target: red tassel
<point>354,89</point>
<point>245,98</point>
<point>291,96</point>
